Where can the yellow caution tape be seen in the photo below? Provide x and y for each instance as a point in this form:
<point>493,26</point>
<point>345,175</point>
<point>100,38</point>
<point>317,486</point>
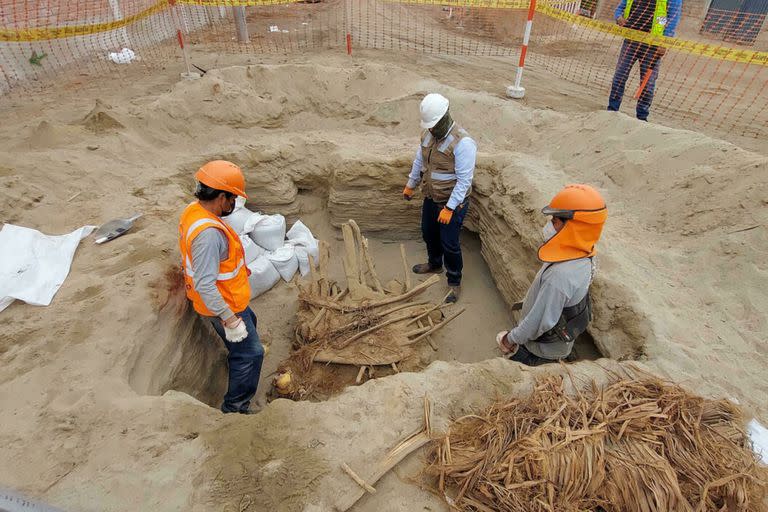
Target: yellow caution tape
<point>682,45</point>
<point>46,33</point>
<point>487,4</point>
<point>236,3</point>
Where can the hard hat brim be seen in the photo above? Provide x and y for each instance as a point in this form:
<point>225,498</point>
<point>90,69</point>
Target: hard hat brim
<point>429,125</point>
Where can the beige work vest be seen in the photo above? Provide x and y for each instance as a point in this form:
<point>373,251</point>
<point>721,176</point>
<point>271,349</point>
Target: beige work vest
<point>439,164</point>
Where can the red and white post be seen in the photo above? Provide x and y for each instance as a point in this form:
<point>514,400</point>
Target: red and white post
<point>176,15</point>
<point>517,91</point>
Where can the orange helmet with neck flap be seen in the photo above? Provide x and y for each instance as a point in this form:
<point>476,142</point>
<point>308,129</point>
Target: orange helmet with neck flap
<point>584,212</point>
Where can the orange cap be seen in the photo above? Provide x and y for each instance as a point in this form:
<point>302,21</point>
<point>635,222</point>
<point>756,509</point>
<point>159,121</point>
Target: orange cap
<point>222,175</point>
<point>585,213</point>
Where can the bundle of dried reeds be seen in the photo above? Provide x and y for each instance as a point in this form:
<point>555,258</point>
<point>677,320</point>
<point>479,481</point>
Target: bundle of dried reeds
<point>638,444</point>
<point>361,324</point>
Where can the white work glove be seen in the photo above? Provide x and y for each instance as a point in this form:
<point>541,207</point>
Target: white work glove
<point>235,330</point>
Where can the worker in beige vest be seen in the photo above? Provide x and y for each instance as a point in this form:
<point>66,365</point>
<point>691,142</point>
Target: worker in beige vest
<point>444,166</point>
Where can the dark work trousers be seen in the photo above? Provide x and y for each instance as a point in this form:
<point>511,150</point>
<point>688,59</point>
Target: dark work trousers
<point>631,52</point>
<point>443,239</point>
<point>244,361</point>
<point>523,355</point>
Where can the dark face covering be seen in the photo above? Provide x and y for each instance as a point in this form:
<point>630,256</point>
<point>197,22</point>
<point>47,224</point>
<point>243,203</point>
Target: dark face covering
<point>230,205</point>
<point>440,130</point>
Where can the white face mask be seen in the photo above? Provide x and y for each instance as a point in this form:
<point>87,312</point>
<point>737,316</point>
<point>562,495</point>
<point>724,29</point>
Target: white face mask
<point>548,231</point>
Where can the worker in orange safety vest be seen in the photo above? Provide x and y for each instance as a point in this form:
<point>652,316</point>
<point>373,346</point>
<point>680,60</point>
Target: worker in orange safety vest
<point>216,277</point>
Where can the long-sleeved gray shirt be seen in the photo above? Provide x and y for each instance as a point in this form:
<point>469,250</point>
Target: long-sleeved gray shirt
<point>563,284</point>
<point>209,248</point>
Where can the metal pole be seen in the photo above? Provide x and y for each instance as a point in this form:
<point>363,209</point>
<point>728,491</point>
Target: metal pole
<point>240,24</point>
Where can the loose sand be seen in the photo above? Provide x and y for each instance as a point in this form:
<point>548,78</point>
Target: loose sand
<point>91,418</point>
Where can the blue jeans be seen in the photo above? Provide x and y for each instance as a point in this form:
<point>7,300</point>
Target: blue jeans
<point>631,52</point>
<point>244,361</point>
<point>443,239</point>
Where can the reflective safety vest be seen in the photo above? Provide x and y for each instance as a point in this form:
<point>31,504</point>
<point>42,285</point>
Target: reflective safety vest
<point>439,164</point>
<point>232,280</point>
<point>659,16</point>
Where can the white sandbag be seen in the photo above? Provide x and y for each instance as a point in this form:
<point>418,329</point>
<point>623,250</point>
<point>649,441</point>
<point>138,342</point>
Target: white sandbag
<point>263,276</point>
<point>268,231</point>
<point>252,251</point>
<point>306,245</point>
<point>241,218</point>
<point>285,261</point>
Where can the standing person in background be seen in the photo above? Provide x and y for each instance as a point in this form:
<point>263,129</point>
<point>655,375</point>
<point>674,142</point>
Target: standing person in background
<point>657,17</point>
<point>444,165</point>
<point>216,278</point>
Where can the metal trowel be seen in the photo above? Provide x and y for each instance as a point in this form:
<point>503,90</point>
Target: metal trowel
<point>114,228</point>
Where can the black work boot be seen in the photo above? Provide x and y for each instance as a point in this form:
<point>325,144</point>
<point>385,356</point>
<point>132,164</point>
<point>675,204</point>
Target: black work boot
<point>453,294</point>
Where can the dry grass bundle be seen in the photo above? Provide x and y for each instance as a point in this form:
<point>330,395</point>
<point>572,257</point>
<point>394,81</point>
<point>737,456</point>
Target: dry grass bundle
<point>362,325</point>
<point>639,445</point>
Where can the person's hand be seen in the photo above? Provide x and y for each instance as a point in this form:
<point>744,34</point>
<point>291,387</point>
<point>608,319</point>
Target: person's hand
<point>445,215</point>
<point>621,21</point>
<point>408,193</point>
<point>660,51</point>
<point>505,346</point>
<point>234,329</point>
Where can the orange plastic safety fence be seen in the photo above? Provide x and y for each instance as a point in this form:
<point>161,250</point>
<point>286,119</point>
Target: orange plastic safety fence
<point>712,75</point>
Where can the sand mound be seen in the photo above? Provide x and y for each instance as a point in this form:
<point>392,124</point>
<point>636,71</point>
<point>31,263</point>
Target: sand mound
<point>49,135</point>
<point>99,120</point>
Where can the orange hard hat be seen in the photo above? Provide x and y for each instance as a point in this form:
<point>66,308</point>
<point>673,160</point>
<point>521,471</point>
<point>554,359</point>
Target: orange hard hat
<point>222,175</point>
<point>585,213</point>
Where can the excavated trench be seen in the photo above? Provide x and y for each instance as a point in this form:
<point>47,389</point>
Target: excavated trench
<point>193,361</point>
<point>354,168</point>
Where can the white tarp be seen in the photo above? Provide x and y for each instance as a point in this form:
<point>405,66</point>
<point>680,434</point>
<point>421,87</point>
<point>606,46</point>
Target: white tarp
<point>33,266</point>
<point>759,436</point>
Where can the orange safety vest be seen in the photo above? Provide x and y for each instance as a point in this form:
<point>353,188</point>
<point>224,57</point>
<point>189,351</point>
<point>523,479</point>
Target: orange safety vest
<point>232,280</point>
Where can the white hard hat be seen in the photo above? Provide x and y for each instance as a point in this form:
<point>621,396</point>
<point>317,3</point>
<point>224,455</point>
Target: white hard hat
<point>433,108</point>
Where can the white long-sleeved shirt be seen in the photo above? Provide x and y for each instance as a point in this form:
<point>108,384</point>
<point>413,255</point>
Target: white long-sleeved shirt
<point>465,155</point>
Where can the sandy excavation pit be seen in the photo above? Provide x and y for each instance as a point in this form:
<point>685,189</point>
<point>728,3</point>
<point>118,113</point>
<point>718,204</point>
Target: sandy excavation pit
<point>192,364</point>
<point>108,390</point>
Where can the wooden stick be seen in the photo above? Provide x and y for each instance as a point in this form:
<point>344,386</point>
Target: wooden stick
<point>394,367</point>
<point>385,302</point>
<point>442,304</point>
<point>429,338</point>
<point>323,286</point>
<point>314,286</point>
<point>436,328</point>
<point>415,332</point>
<point>405,268</point>
<point>350,262</point>
<point>393,458</point>
<point>319,317</point>
<point>360,373</point>
<point>371,268</point>
<point>359,250</point>
<point>373,329</point>
<point>359,481</point>
<point>325,356</point>
<point>378,316</point>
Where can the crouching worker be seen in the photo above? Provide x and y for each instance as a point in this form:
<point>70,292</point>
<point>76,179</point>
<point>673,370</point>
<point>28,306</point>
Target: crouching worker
<point>216,278</point>
<point>557,308</point>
